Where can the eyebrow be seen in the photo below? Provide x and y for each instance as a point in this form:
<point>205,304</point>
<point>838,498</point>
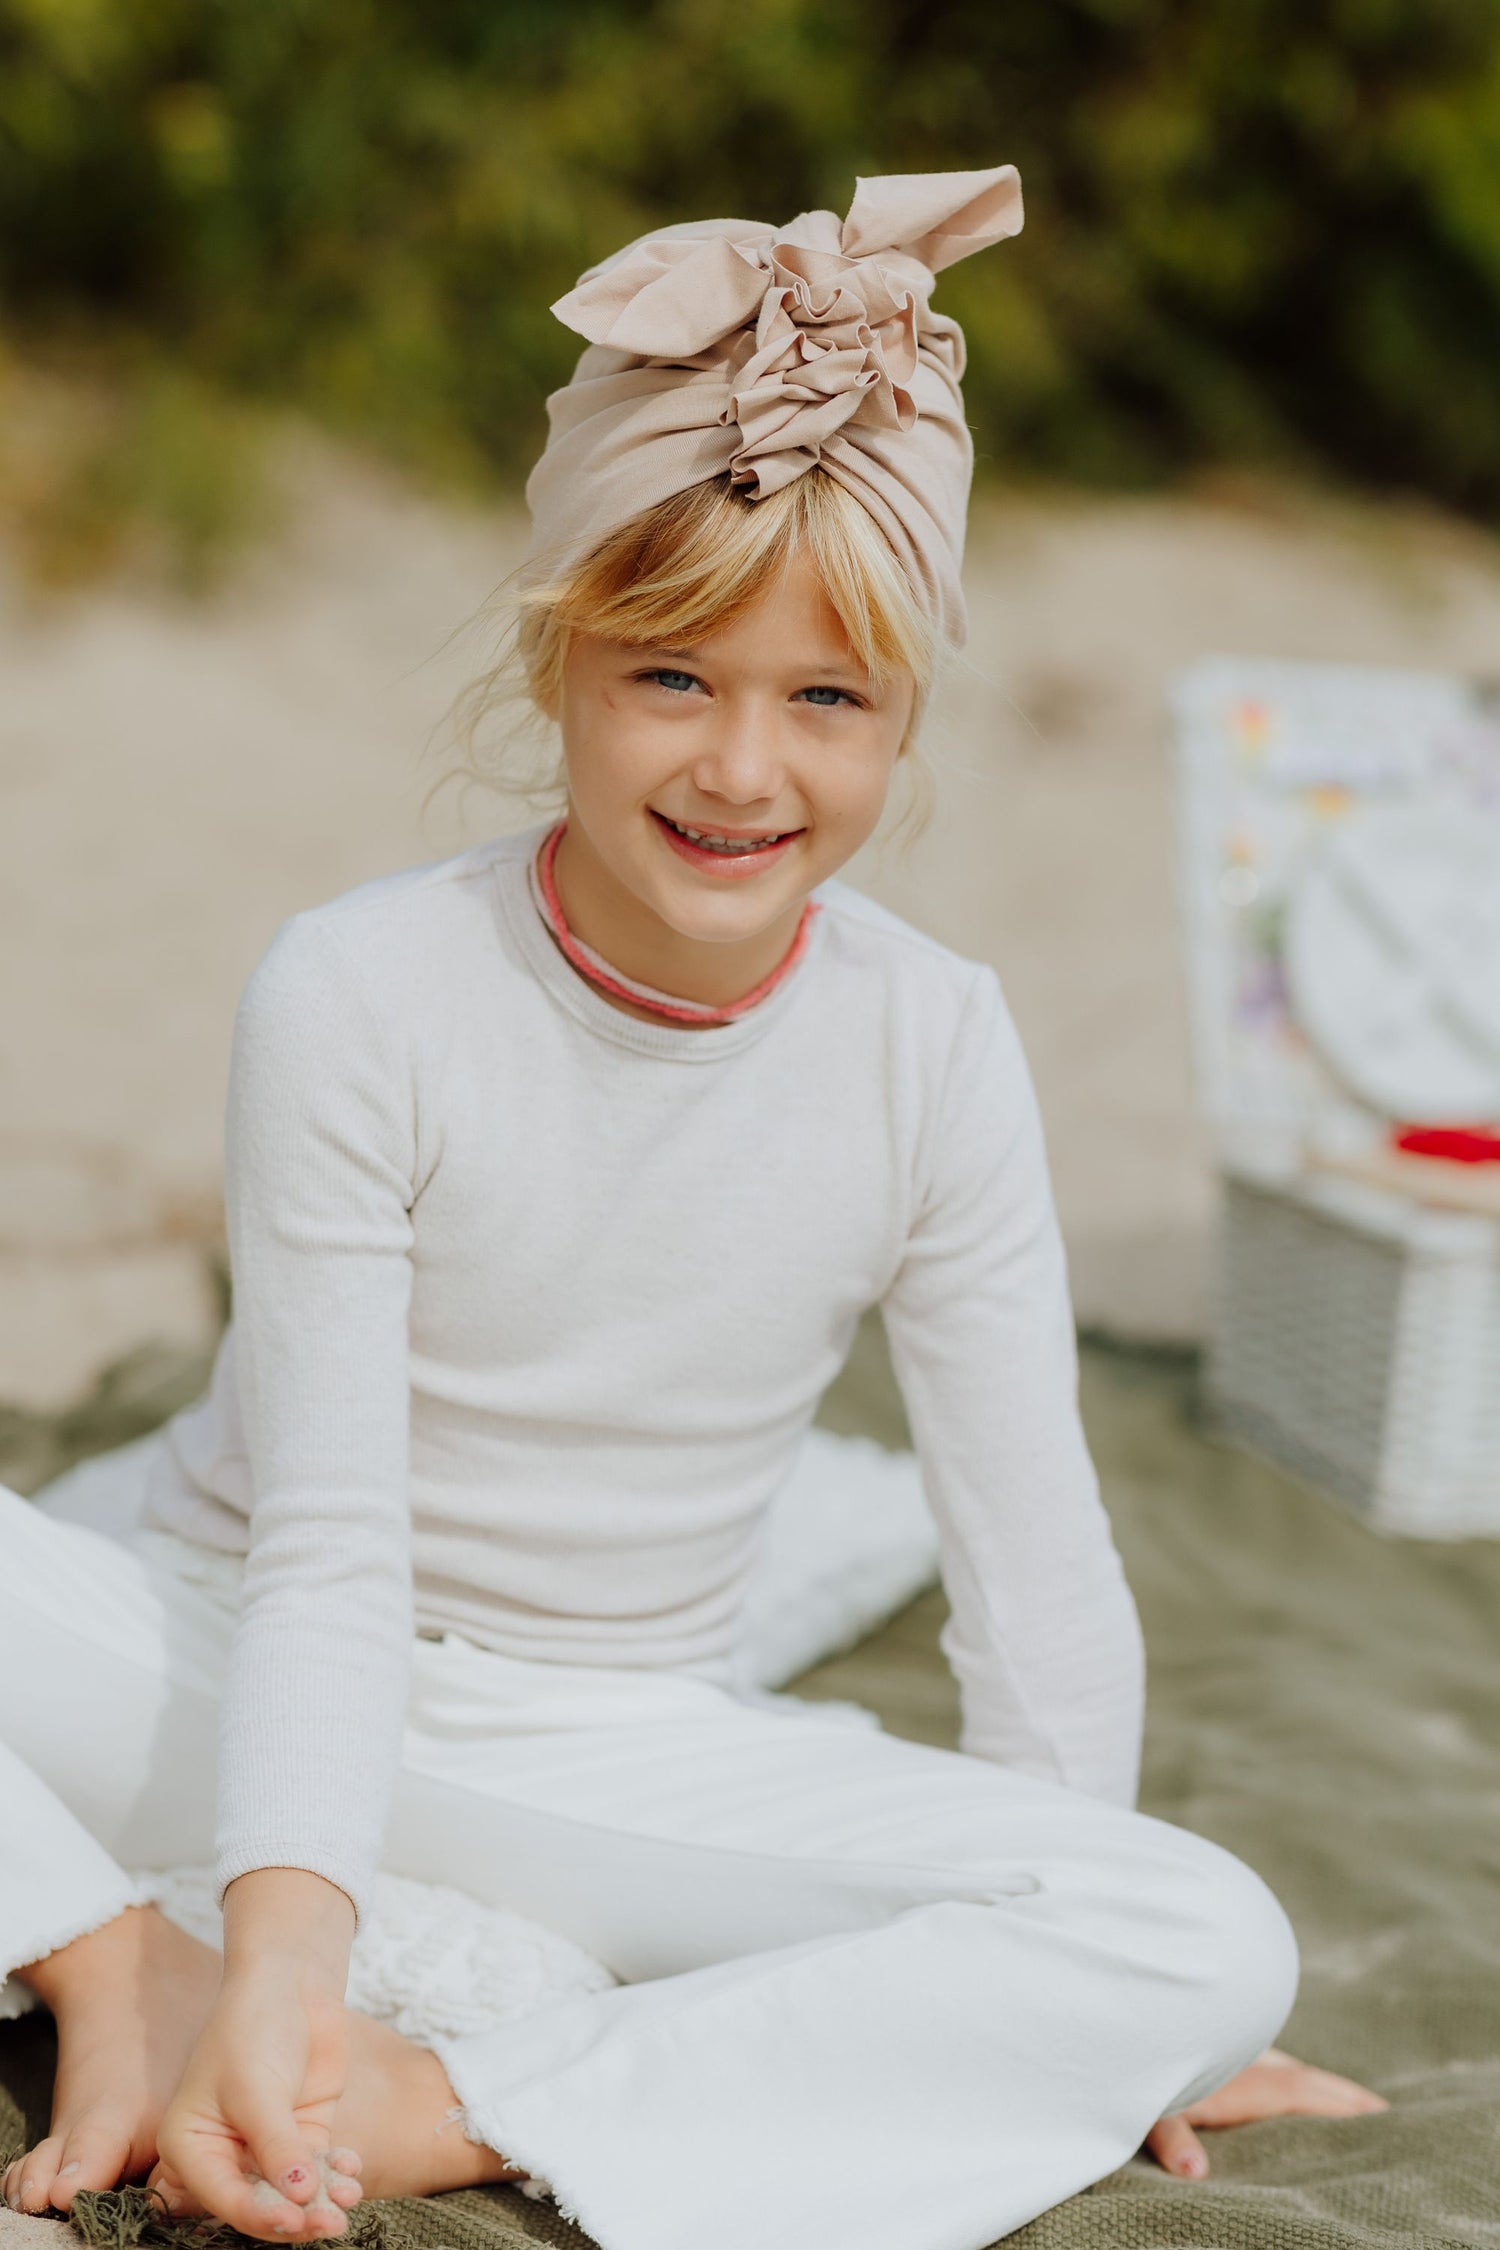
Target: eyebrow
<point>830,671</point>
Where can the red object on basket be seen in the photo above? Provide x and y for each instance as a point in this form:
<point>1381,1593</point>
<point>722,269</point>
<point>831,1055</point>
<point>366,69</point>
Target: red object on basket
<point>1460,1144</point>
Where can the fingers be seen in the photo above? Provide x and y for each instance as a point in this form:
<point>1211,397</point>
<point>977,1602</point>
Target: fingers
<point>282,2151</point>
<point>341,2177</point>
<point>253,2206</point>
<point>164,2185</point>
<point>268,2143</point>
<point>286,2162</point>
<point>1177,2148</point>
<point>322,2216</point>
<point>209,2171</point>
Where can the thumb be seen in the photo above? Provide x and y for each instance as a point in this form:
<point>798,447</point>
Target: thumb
<point>281,2150</point>
<point>207,2165</point>
<point>286,2160</point>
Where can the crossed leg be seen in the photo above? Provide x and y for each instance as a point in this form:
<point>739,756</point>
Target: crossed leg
<point>879,1970</point>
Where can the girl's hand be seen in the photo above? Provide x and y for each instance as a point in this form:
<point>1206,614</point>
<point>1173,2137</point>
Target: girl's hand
<point>1274,2085</point>
<point>247,2135</point>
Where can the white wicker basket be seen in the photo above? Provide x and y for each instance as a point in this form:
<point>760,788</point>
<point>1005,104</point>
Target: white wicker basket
<point>1355,1335</point>
<point>1356,1340</point>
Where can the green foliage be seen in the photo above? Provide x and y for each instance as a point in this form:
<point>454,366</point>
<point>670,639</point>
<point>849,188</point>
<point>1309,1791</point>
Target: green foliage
<point>1258,230</point>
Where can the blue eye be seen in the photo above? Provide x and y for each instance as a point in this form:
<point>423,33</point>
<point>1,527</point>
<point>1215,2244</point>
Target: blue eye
<point>834,695</point>
<point>677,682</point>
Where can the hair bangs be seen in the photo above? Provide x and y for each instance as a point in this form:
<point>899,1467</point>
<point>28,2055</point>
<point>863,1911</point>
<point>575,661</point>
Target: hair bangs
<point>694,564</point>
<point>676,575</point>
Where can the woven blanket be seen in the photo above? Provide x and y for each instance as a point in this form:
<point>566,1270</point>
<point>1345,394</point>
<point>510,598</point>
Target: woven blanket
<point>1323,1701</point>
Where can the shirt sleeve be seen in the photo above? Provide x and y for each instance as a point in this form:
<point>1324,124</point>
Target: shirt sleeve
<point>319,1169</point>
<point>1043,1635</point>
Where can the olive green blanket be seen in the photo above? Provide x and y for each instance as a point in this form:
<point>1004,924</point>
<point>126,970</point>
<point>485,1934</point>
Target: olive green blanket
<point>1327,1704</point>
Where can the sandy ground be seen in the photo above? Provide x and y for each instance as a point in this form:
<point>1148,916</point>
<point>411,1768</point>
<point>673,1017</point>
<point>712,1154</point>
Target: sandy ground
<point>175,779</point>
<point>18,2232</point>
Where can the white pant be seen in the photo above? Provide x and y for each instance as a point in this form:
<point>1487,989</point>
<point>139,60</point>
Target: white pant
<point>921,1998</point>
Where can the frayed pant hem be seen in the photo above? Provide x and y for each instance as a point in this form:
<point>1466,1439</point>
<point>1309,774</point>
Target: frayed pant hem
<point>483,2126</point>
<point>16,1997</point>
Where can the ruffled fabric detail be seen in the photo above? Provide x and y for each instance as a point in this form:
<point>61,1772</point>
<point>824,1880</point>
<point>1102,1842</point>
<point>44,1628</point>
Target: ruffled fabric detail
<point>819,326</point>
<point>729,347</point>
<point>429,1961</point>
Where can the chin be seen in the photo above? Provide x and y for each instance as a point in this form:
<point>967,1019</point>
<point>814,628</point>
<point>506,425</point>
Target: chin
<point>719,920</point>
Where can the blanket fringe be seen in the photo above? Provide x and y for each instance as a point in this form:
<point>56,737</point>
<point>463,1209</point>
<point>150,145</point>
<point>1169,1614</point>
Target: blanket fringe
<point>125,2217</point>
<point>135,2218</point>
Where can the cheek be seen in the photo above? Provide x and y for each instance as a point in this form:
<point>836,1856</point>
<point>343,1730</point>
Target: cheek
<point>850,783</point>
<point>613,751</point>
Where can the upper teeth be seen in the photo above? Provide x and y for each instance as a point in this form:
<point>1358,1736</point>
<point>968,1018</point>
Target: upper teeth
<point>727,843</point>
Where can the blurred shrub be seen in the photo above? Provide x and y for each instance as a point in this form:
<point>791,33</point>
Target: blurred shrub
<point>157,470</point>
<point>1258,230</point>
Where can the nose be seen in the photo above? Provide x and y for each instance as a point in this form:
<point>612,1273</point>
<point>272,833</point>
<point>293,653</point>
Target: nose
<point>741,759</point>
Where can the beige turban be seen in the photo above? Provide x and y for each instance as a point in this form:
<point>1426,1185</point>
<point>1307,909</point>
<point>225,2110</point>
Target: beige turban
<point>725,344</point>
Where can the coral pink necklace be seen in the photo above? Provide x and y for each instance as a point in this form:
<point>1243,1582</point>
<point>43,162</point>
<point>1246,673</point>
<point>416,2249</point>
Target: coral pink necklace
<point>598,971</point>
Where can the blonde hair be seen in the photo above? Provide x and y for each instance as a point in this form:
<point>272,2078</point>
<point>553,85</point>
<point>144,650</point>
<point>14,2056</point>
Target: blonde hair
<point>680,572</point>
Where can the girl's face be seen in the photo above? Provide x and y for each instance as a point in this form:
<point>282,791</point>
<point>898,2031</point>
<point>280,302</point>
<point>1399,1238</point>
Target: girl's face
<point>770,728</point>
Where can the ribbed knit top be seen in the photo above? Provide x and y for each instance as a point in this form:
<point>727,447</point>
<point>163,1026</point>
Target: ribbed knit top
<point>534,1300</point>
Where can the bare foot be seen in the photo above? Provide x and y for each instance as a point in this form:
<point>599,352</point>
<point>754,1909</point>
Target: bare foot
<point>399,2125</point>
<point>1274,2085</point>
<point>400,2113</point>
<point>130,2001</point>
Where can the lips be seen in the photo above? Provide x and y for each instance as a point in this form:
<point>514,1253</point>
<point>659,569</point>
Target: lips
<point>718,862</point>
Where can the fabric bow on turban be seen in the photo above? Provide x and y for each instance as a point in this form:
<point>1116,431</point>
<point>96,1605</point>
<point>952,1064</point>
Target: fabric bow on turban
<point>726,346</point>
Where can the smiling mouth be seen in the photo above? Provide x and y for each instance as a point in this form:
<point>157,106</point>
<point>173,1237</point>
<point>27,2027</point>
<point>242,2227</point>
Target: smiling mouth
<point>722,844</point>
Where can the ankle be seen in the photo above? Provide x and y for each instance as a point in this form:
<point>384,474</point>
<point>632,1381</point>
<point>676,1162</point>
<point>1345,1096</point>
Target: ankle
<point>73,1970</point>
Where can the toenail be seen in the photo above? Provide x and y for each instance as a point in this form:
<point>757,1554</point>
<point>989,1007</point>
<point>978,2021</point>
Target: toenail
<point>69,2169</point>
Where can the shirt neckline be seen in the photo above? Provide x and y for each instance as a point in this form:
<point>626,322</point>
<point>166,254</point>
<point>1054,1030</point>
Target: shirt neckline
<point>525,912</point>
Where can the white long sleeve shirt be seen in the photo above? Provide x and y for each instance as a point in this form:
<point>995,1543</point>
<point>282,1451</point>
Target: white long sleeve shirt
<point>533,1301</point>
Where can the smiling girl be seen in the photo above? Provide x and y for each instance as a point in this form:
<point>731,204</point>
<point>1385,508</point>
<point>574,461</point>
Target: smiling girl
<point>559,1175</point>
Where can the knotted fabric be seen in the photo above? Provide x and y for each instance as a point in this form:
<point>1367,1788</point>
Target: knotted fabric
<point>725,345</point>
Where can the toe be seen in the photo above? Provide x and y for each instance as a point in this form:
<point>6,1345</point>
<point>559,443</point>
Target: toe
<point>93,2156</point>
<point>31,2179</point>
